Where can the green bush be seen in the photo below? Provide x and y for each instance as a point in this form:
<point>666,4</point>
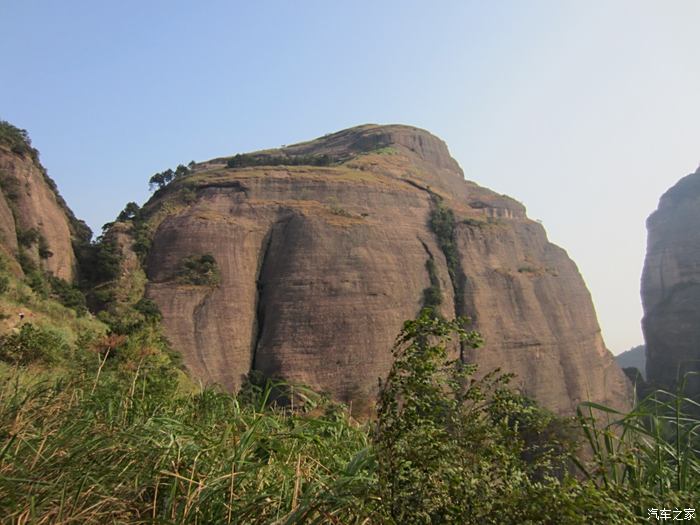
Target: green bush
<point>10,187</point>
<point>27,238</point>
<point>432,296</point>
<point>44,248</point>
<point>99,261</point>
<point>443,225</point>
<point>149,309</point>
<point>38,282</point>
<point>130,212</point>
<point>68,295</point>
<point>143,239</point>
<point>199,270</point>
<point>455,448</point>
<point>247,160</point>
<point>33,344</point>
<point>17,139</point>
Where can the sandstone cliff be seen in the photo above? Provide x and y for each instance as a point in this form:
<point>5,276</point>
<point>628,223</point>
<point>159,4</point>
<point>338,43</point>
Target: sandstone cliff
<point>323,249</point>
<point>36,227</point>
<point>671,285</point>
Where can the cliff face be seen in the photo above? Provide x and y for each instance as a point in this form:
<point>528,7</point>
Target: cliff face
<point>35,223</point>
<point>319,262</point>
<point>671,285</point>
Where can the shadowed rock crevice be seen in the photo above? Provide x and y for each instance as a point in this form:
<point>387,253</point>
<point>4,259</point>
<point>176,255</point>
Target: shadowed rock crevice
<point>443,225</point>
<point>259,302</point>
<point>199,314</point>
<point>432,295</point>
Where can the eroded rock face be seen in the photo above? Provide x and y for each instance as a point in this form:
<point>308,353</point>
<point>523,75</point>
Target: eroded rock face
<point>33,217</point>
<point>320,265</point>
<point>671,286</point>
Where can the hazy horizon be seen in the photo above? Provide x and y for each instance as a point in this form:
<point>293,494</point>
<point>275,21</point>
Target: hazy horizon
<point>586,113</point>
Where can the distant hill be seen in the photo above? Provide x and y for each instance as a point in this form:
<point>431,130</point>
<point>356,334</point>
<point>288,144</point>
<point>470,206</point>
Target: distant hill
<point>635,357</point>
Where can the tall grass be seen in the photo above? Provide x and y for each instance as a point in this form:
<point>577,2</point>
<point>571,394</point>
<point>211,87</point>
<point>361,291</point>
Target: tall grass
<point>131,452</point>
<point>652,453</point>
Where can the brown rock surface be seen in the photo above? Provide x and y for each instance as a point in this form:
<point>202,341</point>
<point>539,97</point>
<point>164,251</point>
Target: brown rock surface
<point>671,285</point>
<point>320,265</point>
<point>30,202</point>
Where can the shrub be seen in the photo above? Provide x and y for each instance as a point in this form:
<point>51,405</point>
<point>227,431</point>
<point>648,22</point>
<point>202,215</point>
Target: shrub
<point>68,295</point>
<point>528,269</point>
<point>32,344</point>
<point>10,186</point>
<point>25,261</point>
<point>100,261</point>
<point>338,210</point>
<point>27,238</point>
<point>432,296</point>
<point>247,160</point>
<point>38,282</point>
<point>17,139</point>
<point>44,249</point>
<point>130,211</point>
<point>454,448</point>
<point>443,225</point>
<point>199,270</point>
<point>189,195</point>
<point>149,309</point>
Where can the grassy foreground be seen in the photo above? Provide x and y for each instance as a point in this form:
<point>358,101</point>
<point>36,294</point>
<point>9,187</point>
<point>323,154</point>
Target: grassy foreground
<point>119,437</point>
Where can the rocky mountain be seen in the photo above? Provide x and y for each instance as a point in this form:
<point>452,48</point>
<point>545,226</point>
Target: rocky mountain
<point>37,229</point>
<point>303,262</point>
<point>633,358</point>
<point>671,285</point>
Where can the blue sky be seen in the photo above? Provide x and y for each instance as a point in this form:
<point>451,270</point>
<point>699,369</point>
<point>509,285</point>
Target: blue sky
<point>584,111</point>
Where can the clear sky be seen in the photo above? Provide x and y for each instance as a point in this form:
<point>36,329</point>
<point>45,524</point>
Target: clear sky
<point>585,111</point>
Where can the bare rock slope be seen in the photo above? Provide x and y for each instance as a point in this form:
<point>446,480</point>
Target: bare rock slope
<point>36,225</point>
<point>671,285</point>
<point>323,249</point>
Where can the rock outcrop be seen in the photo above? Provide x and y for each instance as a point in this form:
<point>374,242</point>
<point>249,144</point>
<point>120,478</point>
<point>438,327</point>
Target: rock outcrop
<point>323,249</point>
<point>671,286</point>
<point>37,229</point>
<point>635,357</point>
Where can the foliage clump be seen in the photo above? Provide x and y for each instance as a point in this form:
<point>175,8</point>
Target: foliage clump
<point>69,295</point>
<point>443,225</point>
<point>17,140</point>
<point>162,179</point>
<point>33,343</point>
<point>199,270</point>
<point>432,295</point>
<point>455,448</point>
<point>247,160</point>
